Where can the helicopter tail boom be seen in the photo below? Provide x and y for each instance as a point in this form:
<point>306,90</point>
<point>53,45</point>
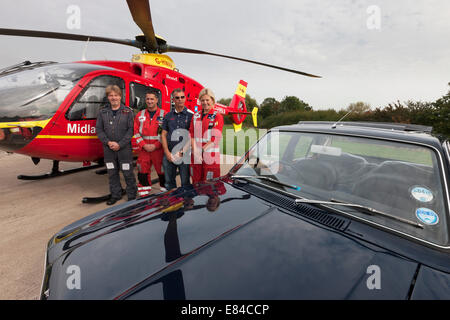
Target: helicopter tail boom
<point>238,106</point>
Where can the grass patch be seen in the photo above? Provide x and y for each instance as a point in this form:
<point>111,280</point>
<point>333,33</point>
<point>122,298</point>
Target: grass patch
<point>408,154</point>
<point>238,143</point>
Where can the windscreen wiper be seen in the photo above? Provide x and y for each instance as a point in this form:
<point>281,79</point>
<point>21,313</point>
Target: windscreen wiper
<point>360,208</point>
<point>268,179</point>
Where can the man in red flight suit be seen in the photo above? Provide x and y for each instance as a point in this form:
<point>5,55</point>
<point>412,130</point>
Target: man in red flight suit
<point>206,133</point>
<point>147,141</point>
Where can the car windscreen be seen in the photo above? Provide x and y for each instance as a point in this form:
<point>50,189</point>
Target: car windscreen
<point>37,93</point>
<point>398,178</point>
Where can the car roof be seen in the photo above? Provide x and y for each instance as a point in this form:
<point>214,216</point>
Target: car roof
<point>390,131</point>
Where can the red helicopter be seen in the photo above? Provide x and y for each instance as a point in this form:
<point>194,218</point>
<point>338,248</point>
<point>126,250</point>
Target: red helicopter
<point>48,110</point>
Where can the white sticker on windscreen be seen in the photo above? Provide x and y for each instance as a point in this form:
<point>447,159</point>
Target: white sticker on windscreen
<point>427,216</point>
<point>422,194</point>
<point>331,151</point>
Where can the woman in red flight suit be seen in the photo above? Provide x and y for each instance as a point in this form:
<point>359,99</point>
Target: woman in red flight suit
<point>147,141</point>
<point>206,133</point>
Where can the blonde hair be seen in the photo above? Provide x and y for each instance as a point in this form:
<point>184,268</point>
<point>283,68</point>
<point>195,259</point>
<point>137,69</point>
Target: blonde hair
<point>207,92</point>
<point>113,88</point>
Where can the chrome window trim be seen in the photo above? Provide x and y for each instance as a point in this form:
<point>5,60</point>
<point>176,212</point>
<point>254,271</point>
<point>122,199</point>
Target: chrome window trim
<point>43,276</point>
<point>447,150</point>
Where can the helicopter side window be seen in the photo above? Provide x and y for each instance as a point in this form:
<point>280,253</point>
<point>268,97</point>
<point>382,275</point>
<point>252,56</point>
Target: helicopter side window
<point>93,97</point>
<point>137,96</point>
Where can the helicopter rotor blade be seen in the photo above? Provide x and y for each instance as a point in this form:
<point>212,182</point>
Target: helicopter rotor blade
<point>140,11</point>
<point>66,36</point>
<point>169,48</point>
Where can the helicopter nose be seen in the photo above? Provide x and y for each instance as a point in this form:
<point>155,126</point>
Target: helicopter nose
<point>15,138</point>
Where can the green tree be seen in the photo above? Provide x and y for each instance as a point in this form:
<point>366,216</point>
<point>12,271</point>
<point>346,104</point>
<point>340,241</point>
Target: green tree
<point>441,114</point>
<point>250,103</point>
<point>358,107</point>
<point>224,101</point>
<point>269,107</point>
<point>292,103</point>
<point>421,112</point>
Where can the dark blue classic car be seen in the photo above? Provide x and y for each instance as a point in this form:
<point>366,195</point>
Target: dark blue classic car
<point>312,211</point>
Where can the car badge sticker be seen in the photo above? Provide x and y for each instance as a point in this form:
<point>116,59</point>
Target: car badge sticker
<point>427,216</point>
<point>422,194</point>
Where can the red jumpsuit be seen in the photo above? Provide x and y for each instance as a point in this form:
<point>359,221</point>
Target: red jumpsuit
<point>203,131</point>
<point>146,131</point>
<point>215,189</point>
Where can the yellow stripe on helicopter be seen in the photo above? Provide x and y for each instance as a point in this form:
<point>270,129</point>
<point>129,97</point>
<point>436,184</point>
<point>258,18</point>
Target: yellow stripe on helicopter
<point>152,59</point>
<point>24,124</point>
<point>46,136</point>
<point>42,124</point>
<point>241,91</point>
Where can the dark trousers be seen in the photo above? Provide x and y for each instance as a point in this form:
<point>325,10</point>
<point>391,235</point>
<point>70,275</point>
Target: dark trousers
<point>170,172</point>
<point>121,160</point>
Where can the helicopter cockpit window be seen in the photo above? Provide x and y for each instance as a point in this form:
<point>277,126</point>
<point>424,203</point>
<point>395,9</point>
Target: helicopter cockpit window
<point>93,97</point>
<point>37,93</point>
<point>137,96</point>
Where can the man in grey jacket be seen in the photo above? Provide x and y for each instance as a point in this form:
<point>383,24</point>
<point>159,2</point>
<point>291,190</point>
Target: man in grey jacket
<point>115,124</point>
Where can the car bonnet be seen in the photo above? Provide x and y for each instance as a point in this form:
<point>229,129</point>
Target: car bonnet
<point>247,249</point>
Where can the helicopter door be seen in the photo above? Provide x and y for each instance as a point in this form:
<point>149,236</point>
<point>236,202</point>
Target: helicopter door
<point>137,96</point>
<point>74,136</point>
<point>93,97</point>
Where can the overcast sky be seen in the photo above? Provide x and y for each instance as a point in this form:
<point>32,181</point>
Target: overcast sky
<point>376,51</point>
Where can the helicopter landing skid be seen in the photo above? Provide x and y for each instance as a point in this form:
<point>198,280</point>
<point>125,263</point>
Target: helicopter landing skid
<point>99,199</point>
<point>56,172</point>
<point>101,171</point>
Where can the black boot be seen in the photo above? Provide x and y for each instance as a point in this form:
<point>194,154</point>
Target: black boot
<point>112,201</point>
<point>162,182</point>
